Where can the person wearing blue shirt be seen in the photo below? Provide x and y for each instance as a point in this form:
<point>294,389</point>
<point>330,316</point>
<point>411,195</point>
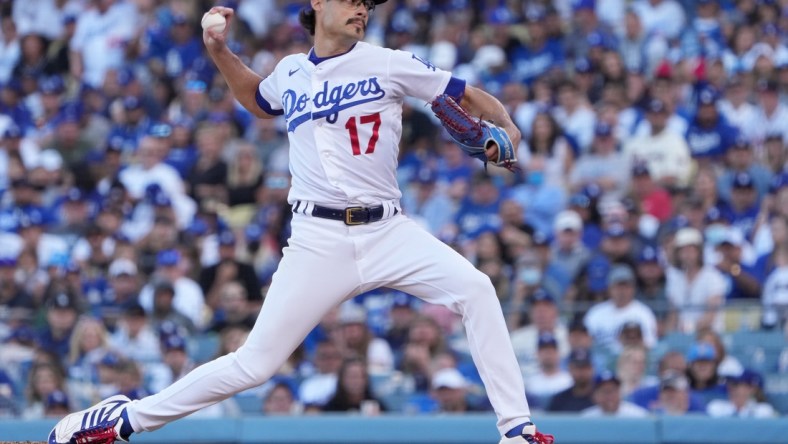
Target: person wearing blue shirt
<point>182,154</point>
<point>741,159</point>
<point>61,315</point>
<point>742,280</point>
<point>185,47</point>
<point>741,211</point>
<point>480,209</point>
<point>426,201</point>
<point>540,55</point>
<point>129,134</point>
<point>709,135</point>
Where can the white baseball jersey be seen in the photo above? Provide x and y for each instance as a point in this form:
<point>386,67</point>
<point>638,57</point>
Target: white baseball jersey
<point>344,119</point>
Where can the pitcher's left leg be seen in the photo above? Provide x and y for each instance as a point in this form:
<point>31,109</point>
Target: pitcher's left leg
<point>406,257</point>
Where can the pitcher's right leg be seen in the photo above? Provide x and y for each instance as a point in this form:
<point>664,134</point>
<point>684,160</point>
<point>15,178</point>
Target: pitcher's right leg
<point>310,281</point>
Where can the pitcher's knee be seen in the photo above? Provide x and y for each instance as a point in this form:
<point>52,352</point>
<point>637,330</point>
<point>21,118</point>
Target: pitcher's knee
<point>477,288</point>
<point>256,367</point>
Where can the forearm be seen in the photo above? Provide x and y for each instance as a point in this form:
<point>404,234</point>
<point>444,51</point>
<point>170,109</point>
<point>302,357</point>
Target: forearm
<point>243,82</point>
<point>748,284</point>
<point>481,104</point>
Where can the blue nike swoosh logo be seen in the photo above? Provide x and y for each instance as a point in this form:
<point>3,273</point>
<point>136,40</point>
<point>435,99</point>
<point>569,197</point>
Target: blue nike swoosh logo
<point>293,72</point>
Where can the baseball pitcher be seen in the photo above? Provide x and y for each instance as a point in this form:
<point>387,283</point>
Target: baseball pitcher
<point>342,103</point>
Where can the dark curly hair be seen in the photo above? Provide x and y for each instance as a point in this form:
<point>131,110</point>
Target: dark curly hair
<point>307,19</point>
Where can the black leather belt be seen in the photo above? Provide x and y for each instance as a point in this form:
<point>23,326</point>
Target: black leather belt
<point>350,215</point>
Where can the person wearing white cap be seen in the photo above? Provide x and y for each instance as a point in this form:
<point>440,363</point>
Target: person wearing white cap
<point>696,290</point>
<point>569,253</point>
<point>449,388</point>
<point>605,320</point>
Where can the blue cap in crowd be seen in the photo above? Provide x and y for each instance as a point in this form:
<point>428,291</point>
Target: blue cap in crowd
<point>606,376</point>
<point>616,230</point>
<point>656,106</point>
<point>707,96</point>
<point>52,85</point>
<point>583,66</point>
<point>743,180</point>
<point>580,357</point>
<point>63,301</point>
<point>167,258</point>
<point>540,239</point>
<point>174,342</point>
<point>546,340</point>
<point>648,254</point>
<point>56,398</point>
<point>603,129</point>
<point>74,194</point>
<point>226,238</point>
<point>542,295</point>
<point>401,300</point>
<point>701,351</point>
<point>160,130</point>
<point>748,377</point>
<point>131,103</point>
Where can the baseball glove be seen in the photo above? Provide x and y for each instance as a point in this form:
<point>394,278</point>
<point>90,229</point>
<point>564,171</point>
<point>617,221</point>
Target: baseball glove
<point>474,135</point>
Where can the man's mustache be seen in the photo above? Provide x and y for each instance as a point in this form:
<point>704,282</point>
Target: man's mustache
<point>352,20</point>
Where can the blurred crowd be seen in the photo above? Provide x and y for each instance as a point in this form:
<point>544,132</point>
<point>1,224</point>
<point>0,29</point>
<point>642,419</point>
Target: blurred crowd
<point>641,242</point>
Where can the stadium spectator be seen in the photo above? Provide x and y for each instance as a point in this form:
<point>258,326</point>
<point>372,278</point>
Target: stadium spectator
<point>425,342</point>
<point>608,401</point>
<point>631,367</point>
<point>187,296</point>
<point>695,289</point>
<point>727,364</point>
<point>568,253</point>
<point>175,363</point>
<point>134,337</point>
<point>318,388</point>
<point>702,372</point>
<point>42,380</point>
<point>280,400</point>
<point>605,319</point>
<point>548,154</point>
<point>549,378</point>
<point>402,314</point>
<point>450,391</point>
<point>674,396</point>
<point>353,391</point>
<point>61,316</point>
<point>741,401</point>
<point>579,396</point>
<point>665,153</point>
<point>604,165</point>
<point>57,404</point>
<point>544,319</point>
<point>357,340</point>
<point>214,278</point>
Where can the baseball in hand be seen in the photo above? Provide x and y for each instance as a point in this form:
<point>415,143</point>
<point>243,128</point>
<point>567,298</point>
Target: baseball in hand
<point>214,22</point>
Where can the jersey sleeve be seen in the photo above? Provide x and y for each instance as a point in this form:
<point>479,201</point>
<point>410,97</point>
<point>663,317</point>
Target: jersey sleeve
<point>267,97</point>
<point>410,75</point>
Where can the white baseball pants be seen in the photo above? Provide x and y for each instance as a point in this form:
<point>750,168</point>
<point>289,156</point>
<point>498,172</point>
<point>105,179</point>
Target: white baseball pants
<point>326,263</point>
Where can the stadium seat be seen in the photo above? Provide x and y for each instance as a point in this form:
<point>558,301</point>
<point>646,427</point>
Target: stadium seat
<point>203,347</point>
